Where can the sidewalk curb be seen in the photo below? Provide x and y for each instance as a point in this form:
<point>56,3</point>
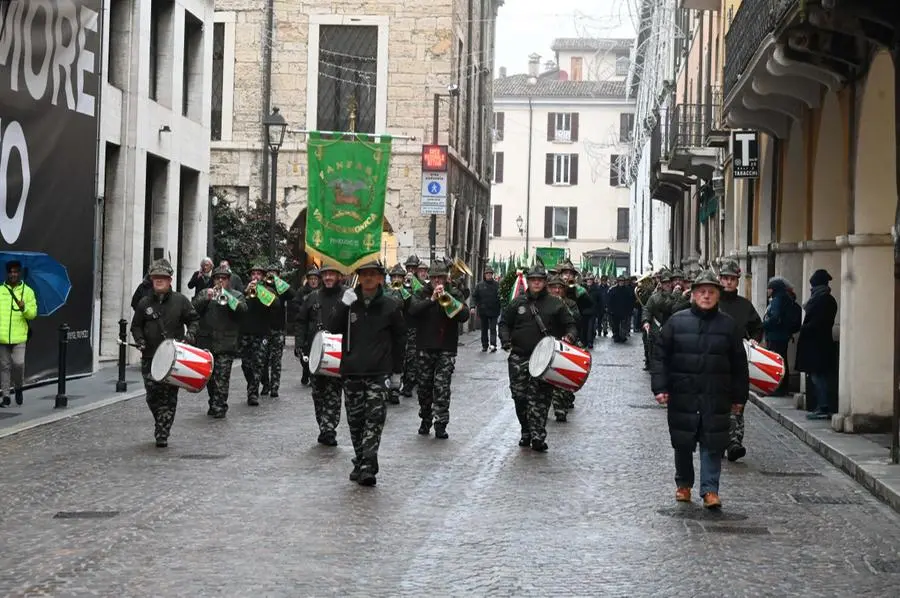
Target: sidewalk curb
<point>61,414</point>
<point>868,474</point>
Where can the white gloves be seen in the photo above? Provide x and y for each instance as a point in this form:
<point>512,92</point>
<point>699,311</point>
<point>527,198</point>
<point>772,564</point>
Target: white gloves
<point>349,297</point>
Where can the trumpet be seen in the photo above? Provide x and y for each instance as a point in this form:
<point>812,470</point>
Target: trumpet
<point>397,284</point>
<point>270,280</point>
<point>250,291</point>
<point>219,296</point>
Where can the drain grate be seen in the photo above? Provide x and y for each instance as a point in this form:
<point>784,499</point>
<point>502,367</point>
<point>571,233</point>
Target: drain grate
<point>202,457</point>
<point>611,365</point>
<point>736,529</point>
<point>86,514</point>
<point>883,565</point>
<point>696,513</point>
<point>791,474</point>
<point>7,415</point>
<point>816,499</point>
<point>656,407</point>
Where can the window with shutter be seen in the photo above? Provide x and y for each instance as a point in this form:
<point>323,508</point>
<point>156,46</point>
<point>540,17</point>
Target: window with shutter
<point>577,64</point>
<point>496,221</point>
<point>548,222</point>
<point>563,128</point>
<point>560,223</point>
<point>573,169</point>
<point>574,126</point>
<point>614,177</point>
<point>573,223</point>
<point>626,126</point>
<point>499,122</point>
<point>622,224</point>
<point>551,126</point>
<point>548,170</point>
<point>498,167</point>
<point>561,169</point>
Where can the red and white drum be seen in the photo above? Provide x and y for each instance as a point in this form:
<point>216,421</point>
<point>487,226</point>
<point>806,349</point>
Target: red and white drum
<point>182,365</point>
<point>766,368</point>
<point>558,363</point>
<point>325,354</point>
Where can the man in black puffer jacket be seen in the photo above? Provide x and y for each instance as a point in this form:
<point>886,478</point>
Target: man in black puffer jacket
<point>486,300</point>
<point>699,370</point>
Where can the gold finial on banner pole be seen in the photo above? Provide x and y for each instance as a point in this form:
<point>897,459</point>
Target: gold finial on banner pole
<point>351,108</point>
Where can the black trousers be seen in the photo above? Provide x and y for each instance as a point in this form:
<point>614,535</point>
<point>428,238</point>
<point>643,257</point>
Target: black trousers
<point>781,348</point>
<point>488,324</point>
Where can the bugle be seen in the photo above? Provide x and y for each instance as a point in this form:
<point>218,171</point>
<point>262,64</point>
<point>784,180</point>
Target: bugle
<point>450,304</point>
<point>459,268</point>
<point>250,291</point>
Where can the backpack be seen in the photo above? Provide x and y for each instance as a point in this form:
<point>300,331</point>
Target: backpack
<point>793,316</point>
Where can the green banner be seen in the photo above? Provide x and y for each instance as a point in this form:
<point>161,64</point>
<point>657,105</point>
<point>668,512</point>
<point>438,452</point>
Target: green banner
<point>347,185</point>
<point>550,255</point>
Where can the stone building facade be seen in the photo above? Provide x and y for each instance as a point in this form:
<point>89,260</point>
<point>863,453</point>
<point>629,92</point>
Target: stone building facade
<point>383,61</point>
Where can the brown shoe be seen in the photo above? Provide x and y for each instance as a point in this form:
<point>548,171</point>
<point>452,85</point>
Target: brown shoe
<point>711,501</point>
<point>683,494</point>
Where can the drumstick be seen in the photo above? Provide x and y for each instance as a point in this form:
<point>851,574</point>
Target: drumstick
<point>121,342</point>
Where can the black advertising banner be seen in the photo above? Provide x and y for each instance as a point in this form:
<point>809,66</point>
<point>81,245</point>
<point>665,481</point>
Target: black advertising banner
<point>49,111</point>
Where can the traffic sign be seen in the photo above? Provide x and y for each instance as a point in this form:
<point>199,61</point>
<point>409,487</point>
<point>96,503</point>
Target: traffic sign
<point>435,158</point>
<point>434,184</point>
<point>434,206</point>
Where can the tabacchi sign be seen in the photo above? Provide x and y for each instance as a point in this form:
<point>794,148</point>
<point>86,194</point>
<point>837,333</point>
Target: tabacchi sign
<point>49,113</point>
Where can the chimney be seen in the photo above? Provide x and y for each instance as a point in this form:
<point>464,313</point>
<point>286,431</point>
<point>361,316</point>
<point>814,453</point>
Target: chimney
<point>534,65</point>
<point>549,66</point>
<point>502,72</point>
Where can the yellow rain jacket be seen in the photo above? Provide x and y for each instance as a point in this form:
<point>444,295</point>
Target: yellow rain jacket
<point>13,321</point>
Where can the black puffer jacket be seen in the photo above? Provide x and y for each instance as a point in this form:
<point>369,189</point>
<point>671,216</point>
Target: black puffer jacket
<point>519,328</point>
<point>321,310</point>
<point>159,317</point>
<point>278,311</point>
<point>374,342</point>
<point>434,330</point>
<point>258,319</point>
<point>749,324</point>
<point>699,360</point>
<point>486,299</point>
<point>219,325</point>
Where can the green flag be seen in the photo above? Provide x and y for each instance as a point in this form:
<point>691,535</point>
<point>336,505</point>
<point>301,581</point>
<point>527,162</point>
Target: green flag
<point>265,296</point>
<point>347,185</point>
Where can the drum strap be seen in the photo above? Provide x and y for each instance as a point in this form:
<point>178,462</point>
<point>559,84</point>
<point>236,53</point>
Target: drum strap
<point>537,318</point>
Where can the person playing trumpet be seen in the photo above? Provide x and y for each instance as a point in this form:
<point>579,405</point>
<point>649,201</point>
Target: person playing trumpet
<point>220,310</point>
<point>401,290</point>
<point>271,372</point>
<point>255,330</point>
<point>437,310</point>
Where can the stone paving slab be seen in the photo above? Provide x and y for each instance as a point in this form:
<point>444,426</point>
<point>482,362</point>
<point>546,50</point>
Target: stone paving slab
<point>862,457</point>
<point>252,506</point>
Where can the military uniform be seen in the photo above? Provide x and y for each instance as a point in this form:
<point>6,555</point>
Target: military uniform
<point>437,339</point>
<point>410,359</point>
<point>219,331</point>
<point>158,317</point>
<point>582,299</point>
<point>299,297</point>
<point>255,330</point>
<point>372,360</point>
<point>520,332</point>
<point>400,290</point>
<point>270,377</point>
<point>655,312</point>
<point>322,310</point>
<point>564,400</point>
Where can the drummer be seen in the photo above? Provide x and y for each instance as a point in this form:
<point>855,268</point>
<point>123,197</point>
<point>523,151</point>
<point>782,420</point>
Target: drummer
<point>165,314</point>
<point>563,400</point>
<point>322,310</point>
<point>526,320</point>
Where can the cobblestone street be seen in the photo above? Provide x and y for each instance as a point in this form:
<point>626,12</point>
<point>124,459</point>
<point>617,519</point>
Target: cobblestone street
<point>252,506</point>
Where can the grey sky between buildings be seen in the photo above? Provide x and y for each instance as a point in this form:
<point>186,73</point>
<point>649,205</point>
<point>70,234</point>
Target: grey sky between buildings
<point>527,26</point>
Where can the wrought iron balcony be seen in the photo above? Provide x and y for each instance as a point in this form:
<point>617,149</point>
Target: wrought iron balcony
<point>754,20</point>
<point>691,124</point>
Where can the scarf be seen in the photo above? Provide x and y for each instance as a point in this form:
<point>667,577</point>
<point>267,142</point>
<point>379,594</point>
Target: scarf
<point>816,292</point>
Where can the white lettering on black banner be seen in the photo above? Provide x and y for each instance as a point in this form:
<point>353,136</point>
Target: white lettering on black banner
<point>12,138</point>
<point>61,39</point>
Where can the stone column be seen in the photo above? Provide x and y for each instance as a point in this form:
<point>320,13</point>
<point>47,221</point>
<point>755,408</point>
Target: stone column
<point>757,255</point>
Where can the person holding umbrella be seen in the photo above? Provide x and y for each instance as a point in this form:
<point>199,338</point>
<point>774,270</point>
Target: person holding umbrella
<point>18,306</point>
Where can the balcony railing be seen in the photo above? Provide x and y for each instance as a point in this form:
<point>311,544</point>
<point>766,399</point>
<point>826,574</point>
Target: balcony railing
<point>691,124</point>
<point>754,20</point>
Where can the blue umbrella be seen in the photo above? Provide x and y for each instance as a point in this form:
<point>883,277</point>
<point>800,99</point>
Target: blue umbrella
<point>47,278</point>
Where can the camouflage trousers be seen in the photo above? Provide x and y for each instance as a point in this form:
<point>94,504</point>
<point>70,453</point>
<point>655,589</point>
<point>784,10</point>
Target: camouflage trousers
<point>649,339</point>
<point>563,400</point>
<point>270,376</point>
<point>254,351</point>
<point>326,395</point>
<point>162,399</point>
<point>410,363</point>
<point>364,399</point>
<point>435,371</point>
<point>217,387</point>
<point>532,398</point>
<point>736,430</point>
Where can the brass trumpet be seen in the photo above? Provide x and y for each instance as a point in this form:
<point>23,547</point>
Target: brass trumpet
<point>250,291</point>
<point>270,280</point>
<point>397,284</point>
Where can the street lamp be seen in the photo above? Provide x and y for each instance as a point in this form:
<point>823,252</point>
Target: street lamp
<point>532,81</point>
<point>275,127</point>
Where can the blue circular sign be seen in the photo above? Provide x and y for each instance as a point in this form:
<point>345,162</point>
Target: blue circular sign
<point>434,187</point>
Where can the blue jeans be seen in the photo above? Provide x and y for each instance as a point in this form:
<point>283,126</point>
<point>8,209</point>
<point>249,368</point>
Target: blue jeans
<point>710,469</point>
<point>820,391</point>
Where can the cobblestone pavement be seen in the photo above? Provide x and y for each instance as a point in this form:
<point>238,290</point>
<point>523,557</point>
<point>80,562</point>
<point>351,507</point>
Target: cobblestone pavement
<point>252,506</point>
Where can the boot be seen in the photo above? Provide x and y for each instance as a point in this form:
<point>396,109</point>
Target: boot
<point>327,438</point>
<point>366,478</point>
<point>274,394</point>
<point>735,452</point>
<point>425,427</point>
<point>393,397</point>
<point>539,445</point>
<point>440,430</point>
<point>561,417</point>
<point>354,475</point>
<point>525,439</point>
<point>19,397</point>
<point>4,402</point>
<point>162,442</point>
<point>253,402</point>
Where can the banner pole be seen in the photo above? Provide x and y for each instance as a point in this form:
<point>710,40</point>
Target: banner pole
<point>373,135</point>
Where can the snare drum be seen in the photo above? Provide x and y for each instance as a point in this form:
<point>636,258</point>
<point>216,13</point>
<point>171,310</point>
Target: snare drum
<point>766,369</point>
<point>559,363</point>
<point>182,365</point>
<point>325,354</point>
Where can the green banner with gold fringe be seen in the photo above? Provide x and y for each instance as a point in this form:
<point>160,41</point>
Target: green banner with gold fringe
<point>346,192</point>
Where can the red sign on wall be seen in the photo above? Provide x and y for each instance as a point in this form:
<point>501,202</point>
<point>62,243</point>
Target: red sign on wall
<point>434,158</point>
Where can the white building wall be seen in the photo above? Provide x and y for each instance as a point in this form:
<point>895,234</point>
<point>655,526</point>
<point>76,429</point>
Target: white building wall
<point>597,66</point>
<point>132,127</point>
<point>596,200</point>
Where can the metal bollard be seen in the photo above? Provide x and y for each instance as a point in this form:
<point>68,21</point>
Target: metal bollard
<point>61,399</point>
<point>121,385</point>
